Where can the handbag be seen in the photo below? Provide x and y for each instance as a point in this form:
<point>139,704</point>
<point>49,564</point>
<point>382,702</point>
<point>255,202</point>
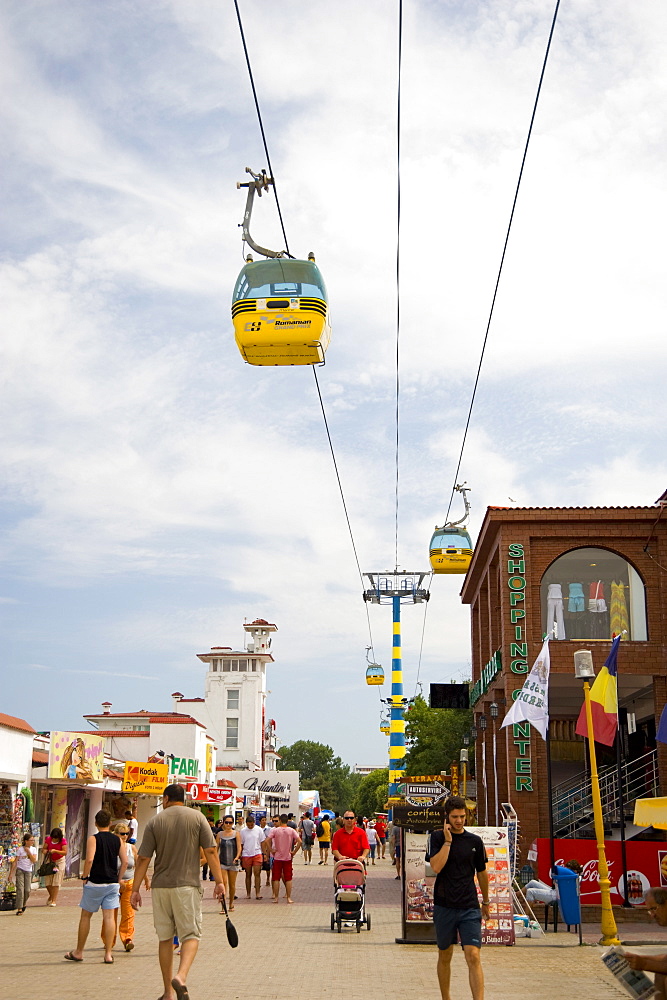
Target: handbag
<point>47,867</point>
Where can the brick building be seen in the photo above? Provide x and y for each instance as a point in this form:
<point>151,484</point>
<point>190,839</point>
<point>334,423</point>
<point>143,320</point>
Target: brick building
<point>588,573</point>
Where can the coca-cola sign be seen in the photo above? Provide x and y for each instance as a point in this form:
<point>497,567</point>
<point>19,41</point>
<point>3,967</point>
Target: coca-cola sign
<point>643,863</point>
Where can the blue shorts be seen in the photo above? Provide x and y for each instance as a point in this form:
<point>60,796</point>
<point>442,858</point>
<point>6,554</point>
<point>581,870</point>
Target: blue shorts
<point>448,921</point>
<point>94,896</point>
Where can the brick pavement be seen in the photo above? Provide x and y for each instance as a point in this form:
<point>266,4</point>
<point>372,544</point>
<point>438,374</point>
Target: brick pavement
<point>284,949</point>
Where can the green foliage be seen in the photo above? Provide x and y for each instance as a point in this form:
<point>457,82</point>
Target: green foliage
<point>309,758</point>
<point>372,792</point>
<point>319,769</point>
<point>433,737</point>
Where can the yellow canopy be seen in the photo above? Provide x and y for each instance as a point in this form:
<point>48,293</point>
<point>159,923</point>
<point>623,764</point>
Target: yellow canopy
<point>651,812</point>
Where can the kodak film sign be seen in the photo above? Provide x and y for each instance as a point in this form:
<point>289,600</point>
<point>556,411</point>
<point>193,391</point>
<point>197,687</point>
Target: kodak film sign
<point>146,779</point>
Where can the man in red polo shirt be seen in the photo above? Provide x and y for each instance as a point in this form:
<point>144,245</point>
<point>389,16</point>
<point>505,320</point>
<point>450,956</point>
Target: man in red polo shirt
<point>351,841</point>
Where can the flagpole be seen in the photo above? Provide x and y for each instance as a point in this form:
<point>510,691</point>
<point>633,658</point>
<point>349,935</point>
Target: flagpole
<point>552,848</point>
<point>607,921</point>
<point>621,809</point>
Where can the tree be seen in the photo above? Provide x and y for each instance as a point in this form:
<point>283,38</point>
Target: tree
<point>319,769</point>
<point>371,795</point>
<point>309,758</point>
<point>434,737</point>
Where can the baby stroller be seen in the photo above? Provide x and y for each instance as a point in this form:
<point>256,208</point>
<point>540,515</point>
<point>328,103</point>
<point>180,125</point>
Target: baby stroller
<point>350,896</point>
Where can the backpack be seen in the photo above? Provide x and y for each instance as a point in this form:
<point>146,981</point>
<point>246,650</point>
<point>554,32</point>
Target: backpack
<point>319,829</point>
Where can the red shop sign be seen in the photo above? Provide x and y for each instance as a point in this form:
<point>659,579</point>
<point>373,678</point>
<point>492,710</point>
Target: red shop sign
<point>220,794</point>
<point>198,793</point>
<point>647,866</point>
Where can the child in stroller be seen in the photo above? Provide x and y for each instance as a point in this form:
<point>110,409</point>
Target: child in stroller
<point>349,895</point>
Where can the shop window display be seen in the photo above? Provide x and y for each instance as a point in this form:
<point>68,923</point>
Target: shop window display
<point>593,594</point>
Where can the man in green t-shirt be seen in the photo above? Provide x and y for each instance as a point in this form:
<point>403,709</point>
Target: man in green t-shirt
<point>176,836</point>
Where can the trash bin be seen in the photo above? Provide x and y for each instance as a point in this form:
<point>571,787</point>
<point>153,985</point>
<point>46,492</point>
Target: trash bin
<point>567,885</point>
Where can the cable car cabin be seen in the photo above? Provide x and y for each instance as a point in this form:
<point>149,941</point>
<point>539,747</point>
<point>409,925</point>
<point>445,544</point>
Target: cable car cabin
<point>281,313</point>
<point>374,674</point>
<point>384,728</point>
<point>450,550</point>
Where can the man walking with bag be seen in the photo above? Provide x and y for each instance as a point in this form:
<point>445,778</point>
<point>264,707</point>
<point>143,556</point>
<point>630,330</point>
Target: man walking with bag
<point>175,836</point>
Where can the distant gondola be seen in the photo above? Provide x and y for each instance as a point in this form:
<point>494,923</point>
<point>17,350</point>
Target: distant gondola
<point>374,674</point>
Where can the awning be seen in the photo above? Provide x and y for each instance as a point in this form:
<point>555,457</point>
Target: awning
<point>651,812</point>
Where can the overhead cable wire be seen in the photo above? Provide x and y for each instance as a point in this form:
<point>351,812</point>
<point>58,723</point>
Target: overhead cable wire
<point>421,644</point>
<point>502,258</point>
<point>342,497</point>
<point>398,268</point>
<point>261,124</point>
<point>317,384</point>
<point>495,290</point>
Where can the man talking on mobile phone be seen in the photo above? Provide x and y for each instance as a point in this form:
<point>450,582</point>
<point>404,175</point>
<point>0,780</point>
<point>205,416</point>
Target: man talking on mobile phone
<point>455,855</point>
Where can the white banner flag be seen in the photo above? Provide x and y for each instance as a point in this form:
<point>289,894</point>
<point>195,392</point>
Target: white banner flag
<point>532,703</point>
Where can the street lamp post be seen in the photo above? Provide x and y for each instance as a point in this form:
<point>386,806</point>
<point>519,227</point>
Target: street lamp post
<point>493,711</point>
<point>583,669</point>
<point>483,723</point>
<point>463,758</point>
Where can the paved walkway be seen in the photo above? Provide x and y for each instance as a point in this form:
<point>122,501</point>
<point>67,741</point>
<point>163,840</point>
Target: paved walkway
<point>285,949</point>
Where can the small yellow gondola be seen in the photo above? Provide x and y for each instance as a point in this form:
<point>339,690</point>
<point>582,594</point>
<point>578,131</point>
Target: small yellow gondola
<point>374,674</point>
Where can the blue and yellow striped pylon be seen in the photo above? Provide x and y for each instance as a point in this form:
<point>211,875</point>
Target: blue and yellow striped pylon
<point>397,724</point>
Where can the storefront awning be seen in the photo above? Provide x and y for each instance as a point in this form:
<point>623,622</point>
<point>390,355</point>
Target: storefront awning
<point>651,812</point>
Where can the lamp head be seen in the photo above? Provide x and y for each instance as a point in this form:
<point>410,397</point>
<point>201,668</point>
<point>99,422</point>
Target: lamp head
<point>493,710</point>
<point>583,665</point>
<point>483,722</point>
<point>463,756</point>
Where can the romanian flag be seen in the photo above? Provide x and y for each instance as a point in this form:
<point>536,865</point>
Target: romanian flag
<point>604,701</point>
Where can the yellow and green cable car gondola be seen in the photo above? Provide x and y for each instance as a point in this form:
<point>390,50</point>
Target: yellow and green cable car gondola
<point>280,308</point>
<point>280,312</point>
<point>450,550</point>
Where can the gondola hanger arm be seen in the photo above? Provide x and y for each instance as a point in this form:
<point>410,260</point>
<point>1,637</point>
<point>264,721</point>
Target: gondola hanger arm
<point>260,182</point>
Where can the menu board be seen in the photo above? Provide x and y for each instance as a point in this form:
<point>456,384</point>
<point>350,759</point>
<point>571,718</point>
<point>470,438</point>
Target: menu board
<point>499,928</point>
<point>420,880</point>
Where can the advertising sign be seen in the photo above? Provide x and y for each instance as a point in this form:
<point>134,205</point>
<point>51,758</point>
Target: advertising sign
<point>220,795</point>
<point>419,879</point>
<point>187,766</point>
<point>145,779</point>
<point>419,793</point>
<point>647,866</point>
<point>499,928</point>
<point>208,793</point>
<point>419,818</point>
<point>280,789</point>
<point>76,756</point>
<point>419,882</point>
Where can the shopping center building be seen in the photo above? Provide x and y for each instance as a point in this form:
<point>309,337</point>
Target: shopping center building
<point>582,574</point>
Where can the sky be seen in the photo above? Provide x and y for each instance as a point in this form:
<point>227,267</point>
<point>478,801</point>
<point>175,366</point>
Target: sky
<point>155,490</point>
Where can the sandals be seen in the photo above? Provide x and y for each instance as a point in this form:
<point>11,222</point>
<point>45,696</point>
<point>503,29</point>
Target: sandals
<point>180,989</point>
<point>72,958</point>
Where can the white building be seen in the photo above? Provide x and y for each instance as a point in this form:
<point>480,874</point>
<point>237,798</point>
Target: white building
<point>233,708</point>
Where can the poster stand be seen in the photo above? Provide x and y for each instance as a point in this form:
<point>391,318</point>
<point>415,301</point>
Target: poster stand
<point>418,878</point>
